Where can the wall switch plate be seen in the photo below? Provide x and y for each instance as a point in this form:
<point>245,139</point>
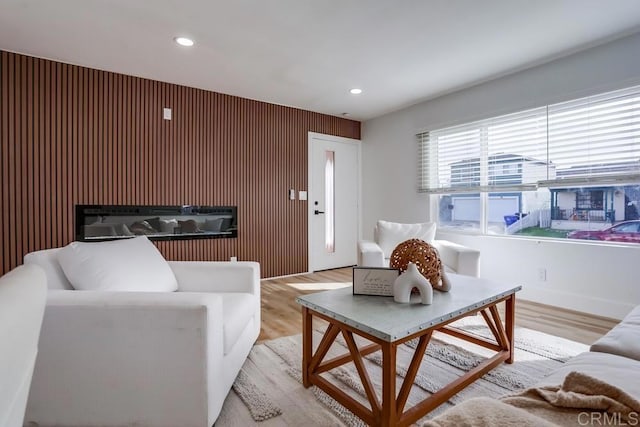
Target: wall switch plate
<point>292,194</point>
<point>302,195</point>
<point>166,113</point>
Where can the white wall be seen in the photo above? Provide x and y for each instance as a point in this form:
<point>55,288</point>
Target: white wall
<point>580,276</point>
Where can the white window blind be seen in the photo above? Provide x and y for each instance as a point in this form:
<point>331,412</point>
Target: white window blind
<point>592,140</point>
<point>502,153</point>
<point>596,139</point>
<point>517,156</point>
<point>450,158</point>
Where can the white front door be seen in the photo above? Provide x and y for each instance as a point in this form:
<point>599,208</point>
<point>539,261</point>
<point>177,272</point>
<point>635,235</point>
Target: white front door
<point>334,199</point>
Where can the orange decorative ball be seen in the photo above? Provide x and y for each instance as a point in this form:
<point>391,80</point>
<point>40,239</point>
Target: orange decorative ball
<point>424,256</point>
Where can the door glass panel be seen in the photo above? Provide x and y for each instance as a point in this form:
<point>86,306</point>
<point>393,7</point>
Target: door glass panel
<point>329,201</point>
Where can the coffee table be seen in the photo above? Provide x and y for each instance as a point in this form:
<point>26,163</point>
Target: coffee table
<point>388,324</point>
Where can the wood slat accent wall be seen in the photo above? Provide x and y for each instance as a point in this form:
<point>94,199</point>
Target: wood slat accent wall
<point>74,135</point>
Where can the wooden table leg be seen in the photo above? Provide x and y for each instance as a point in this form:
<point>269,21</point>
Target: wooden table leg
<point>510,317</point>
<point>307,345</point>
<point>389,415</point>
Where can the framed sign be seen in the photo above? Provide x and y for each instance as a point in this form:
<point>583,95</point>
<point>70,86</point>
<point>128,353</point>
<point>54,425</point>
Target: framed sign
<point>374,280</point>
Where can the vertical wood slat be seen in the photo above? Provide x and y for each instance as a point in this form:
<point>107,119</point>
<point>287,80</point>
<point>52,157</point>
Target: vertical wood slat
<point>73,135</point>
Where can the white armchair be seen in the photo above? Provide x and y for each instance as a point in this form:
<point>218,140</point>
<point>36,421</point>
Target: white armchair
<point>387,235</point>
<point>115,358</point>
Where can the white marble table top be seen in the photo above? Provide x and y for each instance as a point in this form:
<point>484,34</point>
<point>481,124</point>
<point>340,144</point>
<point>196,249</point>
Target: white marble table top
<point>382,317</point>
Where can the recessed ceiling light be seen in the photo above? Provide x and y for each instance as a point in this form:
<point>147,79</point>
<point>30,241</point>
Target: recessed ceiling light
<point>183,41</point>
<point>356,91</point>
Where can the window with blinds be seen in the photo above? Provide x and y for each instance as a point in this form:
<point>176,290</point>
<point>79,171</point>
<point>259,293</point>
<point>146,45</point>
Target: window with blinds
<point>589,141</point>
<point>595,139</point>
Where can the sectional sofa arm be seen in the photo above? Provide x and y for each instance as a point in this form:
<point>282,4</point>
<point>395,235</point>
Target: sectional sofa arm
<point>116,300</point>
<point>460,258</point>
<point>97,348</point>
<point>370,254</point>
<point>165,312</point>
<point>217,276</point>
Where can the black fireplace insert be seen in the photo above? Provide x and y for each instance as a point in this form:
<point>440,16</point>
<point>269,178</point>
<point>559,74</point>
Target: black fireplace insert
<point>110,222</point>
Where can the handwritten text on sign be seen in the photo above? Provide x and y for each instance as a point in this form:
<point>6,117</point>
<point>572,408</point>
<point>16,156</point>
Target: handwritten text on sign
<point>374,281</point>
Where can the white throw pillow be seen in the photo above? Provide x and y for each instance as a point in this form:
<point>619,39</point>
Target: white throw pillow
<point>133,264</point>
<point>390,234</point>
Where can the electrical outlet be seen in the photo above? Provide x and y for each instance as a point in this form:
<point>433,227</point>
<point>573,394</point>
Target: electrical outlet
<point>542,274</point>
<point>234,259</point>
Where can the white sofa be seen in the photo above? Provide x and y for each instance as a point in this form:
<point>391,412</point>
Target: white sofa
<point>387,235</point>
<point>614,359</point>
<point>23,293</point>
<point>143,358</point>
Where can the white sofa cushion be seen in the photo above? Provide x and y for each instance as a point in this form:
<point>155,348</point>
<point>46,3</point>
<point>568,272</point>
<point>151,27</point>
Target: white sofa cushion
<point>390,234</point>
<point>133,264</point>
<point>618,371</point>
<point>624,339</point>
<point>237,311</point>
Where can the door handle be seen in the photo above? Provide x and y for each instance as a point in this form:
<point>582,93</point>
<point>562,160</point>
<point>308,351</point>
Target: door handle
<point>317,212</point>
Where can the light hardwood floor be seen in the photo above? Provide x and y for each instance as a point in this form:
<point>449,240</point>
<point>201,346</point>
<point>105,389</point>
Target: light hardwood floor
<point>281,315</point>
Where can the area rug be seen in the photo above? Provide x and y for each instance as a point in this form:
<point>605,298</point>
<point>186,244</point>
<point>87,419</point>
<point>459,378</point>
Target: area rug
<point>269,392</point>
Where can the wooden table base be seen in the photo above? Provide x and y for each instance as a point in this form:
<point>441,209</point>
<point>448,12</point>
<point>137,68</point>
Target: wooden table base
<point>390,409</point>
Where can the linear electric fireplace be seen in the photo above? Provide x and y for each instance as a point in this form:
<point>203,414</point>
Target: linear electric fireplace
<point>109,222</point>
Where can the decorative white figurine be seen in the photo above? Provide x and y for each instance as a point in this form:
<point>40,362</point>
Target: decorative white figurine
<point>408,280</point>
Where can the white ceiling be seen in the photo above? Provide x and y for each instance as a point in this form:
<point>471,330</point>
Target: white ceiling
<point>309,53</point>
